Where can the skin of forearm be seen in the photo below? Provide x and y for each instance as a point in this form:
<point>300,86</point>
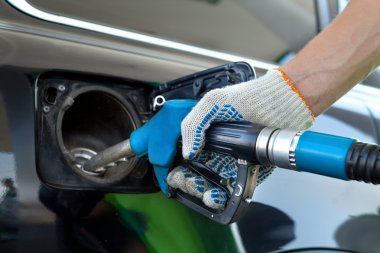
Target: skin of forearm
<point>339,57</point>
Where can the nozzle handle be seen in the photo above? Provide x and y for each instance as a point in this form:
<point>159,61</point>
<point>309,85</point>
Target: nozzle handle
<point>237,139</point>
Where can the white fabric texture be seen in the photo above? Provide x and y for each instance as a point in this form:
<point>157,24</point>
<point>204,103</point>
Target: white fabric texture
<point>268,100</point>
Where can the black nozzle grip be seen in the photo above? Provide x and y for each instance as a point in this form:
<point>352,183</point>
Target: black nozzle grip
<point>363,162</point>
<point>237,139</point>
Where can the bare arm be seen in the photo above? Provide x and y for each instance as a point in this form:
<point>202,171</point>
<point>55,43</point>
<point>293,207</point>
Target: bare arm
<point>339,57</point>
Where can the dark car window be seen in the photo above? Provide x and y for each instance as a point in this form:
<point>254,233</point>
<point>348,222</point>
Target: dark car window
<point>8,185</point>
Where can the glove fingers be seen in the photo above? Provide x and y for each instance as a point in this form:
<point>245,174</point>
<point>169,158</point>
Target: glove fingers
<point>177,178</point>
<point>215,198</point>
<point>197,186</point>
<point>225,166</point>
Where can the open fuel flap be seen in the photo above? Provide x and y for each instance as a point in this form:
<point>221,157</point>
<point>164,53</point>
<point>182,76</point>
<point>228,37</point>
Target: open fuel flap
<point>78,115</point>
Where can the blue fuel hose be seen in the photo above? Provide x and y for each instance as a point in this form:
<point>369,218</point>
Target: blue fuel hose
<point>338,157</point>
<point>323,154</point>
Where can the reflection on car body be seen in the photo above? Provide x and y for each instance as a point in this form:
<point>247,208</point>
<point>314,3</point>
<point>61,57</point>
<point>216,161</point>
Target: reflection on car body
<point>292,210</point>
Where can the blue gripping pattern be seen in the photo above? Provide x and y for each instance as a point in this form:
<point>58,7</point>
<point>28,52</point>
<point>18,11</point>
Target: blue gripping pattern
<point>264,172</point>
<point>158,138</point>
<point>224,166</point>
<point>186,172</point>
<point>202,184</point>
<point>228,113</point>
<point>218,196</point>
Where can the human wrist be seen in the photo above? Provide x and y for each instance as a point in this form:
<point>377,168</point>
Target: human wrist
<point>272,100</point>
<point>297,90</point>
<point>313,85</point>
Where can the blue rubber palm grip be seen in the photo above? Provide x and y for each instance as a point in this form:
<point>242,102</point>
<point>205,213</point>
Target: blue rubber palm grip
<point>159,136</point>
<point>323,154</point>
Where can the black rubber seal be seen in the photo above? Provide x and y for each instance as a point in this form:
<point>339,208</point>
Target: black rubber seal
<point>363,162</point>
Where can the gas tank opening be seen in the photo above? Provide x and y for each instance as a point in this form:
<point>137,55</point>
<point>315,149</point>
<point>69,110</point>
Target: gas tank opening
<point>98,119</point>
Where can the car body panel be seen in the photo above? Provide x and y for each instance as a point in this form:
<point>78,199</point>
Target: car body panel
<point>291,210</point>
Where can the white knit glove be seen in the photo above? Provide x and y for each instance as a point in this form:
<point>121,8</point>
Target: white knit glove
<point>271,100</point>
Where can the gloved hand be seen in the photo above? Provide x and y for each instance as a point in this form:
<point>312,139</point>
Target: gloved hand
<point>271,100</point>
<point>195,185</point>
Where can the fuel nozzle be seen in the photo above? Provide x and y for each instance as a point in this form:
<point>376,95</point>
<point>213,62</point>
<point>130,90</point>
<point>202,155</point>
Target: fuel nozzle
<point>110,155</point>
<point>318,153</point>
<point>250,144</point>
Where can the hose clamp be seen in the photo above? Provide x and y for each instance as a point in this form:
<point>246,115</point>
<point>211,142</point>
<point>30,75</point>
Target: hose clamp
<point>279,147</point>
<point>292,150</point>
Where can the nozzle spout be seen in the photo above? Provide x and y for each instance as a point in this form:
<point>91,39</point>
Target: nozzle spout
<point>112,154</point>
